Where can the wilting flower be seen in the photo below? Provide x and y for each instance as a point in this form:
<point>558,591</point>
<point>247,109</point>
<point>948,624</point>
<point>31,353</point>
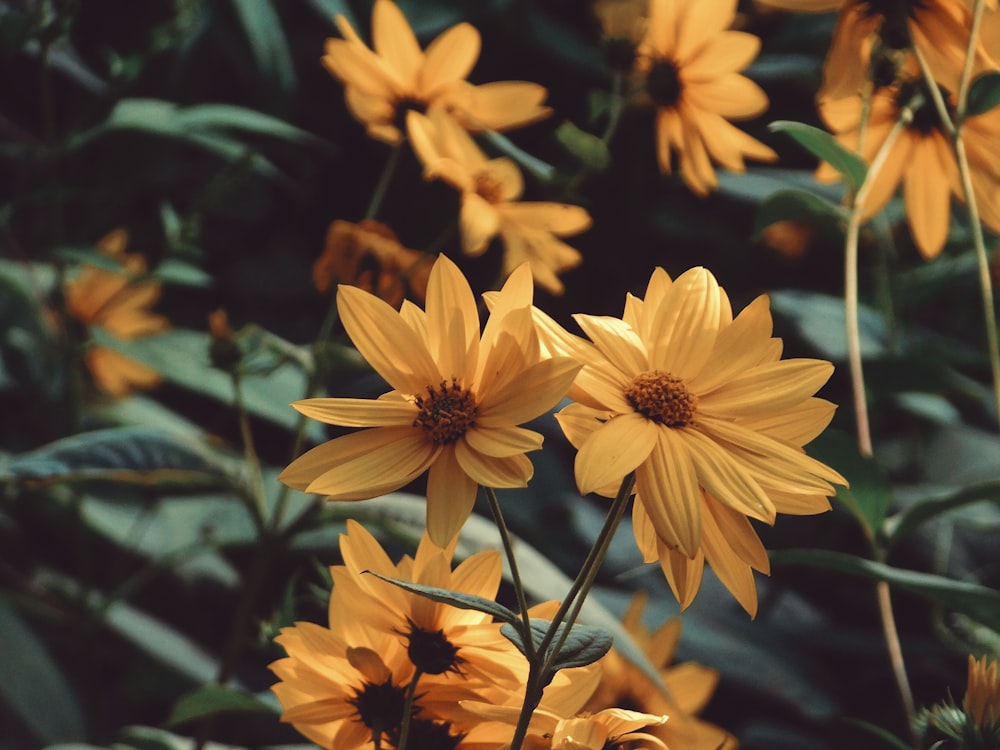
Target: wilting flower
<point>382,82</point>
<point>343,685</point>
<point>921,159</point>
<point>700,406</point>
<point>689,686</point>
<point>490,191</point>
<point>117,302</point>
<point>691,66</point>
<point>456,404</point>
<point>368,255</point>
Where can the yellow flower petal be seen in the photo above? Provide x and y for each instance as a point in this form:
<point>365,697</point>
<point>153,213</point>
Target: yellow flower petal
<point>724,478</point>
<point>734,573</point>
<point>668,485</point>
<point>479,222</point>
<point>492,471</point>
<point>687,325</point>
<point>772,386</point>
<point>560,219</point>
<point>501,442</point>
<point>449,58</point>
<point>616,341</point>
<point>614,450</point>
<point>358,412</point>
<point>395,43</point>
<point>452,322</point>
<point>539,388</point>
<point>451,493</point>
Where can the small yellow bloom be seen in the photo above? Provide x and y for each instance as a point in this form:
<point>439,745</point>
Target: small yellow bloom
<point>490,190</point>
<point>368,255</point>
<point>691,65</point>
<point>115,301</point>
<point>382,82</point>
<point>456,404</point>
<point>982,696</point>
<point>701,407</point>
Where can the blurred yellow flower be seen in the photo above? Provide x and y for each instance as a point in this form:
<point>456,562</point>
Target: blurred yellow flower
<point>114,300</point>
<point>368,255</point>
<point>689,686</point>
<point>691,65</point>
<point>343,685</point>
<point>490,191</point>
<point>381,83</point>
<point>456,403</point>
<point>701,407</point>
<point>982,696</point>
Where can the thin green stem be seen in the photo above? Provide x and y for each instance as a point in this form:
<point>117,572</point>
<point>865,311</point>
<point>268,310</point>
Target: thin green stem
<point>515,576</point>
<point>970,59</point>
<point>259,505</point>
<point>936,96</point>
<point>896,659</point>
<point>404,727</point>
<point>384,181</point>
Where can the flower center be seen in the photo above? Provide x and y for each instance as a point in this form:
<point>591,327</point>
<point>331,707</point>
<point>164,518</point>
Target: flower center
<point>380,707</point>
<point>488,187</point>
<point>925,117</point>
<point>446,412</point>
<point>661,397</point>
<point>433,735</point>
<point>663,83</point>
<point>431,652</point>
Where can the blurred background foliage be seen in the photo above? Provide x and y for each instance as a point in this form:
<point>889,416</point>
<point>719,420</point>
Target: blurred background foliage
<point>139,587</point>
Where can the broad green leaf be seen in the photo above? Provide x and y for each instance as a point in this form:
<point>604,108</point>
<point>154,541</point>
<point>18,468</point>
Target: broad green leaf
<point>454,598</point>
<point>978,602</point>
<point>825,147</point>
<point>226,117</point>
<point>588,149</point>
<point>140,455</point>
<point>33,685</point>
<point>215,699</point>
<point>790,205</point>
<point>264,32</point>
<point>984,93</point>
<point>902,524</point>
<point>819,318</point>
<point>584,645</point>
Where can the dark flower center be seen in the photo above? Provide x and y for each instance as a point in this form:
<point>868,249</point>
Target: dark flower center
<point>431,652</point>
<point>663,398</point>
<point>446,412</point>
<point>380,707</point>
<point>663,83</point>
<point>925,117</point>
<point>896,14</point>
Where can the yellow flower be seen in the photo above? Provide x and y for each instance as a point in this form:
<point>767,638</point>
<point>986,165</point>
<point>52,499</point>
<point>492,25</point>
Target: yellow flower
<point>456,403</point>
<point>379,84</point>
<point>116,302</point>
<point>343,685</point>
<point>700,406</point>
<point>921,160</point>
<point>690,64</point>
<point>982,696</point>
<point>689,686</point>
<point>369,256</point>
<point>490,191</point>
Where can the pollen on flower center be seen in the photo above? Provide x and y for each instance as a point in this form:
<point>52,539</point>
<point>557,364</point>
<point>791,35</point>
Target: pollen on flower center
<point>446,412</point>
<point>663,398</point>
<point>488,187</point>
<point>663,83</point>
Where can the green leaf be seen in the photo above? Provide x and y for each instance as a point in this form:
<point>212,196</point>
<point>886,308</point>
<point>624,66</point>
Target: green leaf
<point>140,455</point>
<point>544,171</point>
<point>271,53</point>
<point>33,686</point>
<point>790,205</point>
<point>824,146</point>
<point>984,93</point>
<point>978,602</point>
<point>454,598</point>
<point>902,524</point>
<point>584,645</point>
<point>173,271</point>
<point>215,699</point>
<point>588,149</point>
<point>819,319</point>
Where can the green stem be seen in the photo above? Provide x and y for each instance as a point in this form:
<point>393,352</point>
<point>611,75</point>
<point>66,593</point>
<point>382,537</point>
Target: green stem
<point>970,59</point>
<point>404,728</point>
<point>515,576</point>
<point>384,181</point>
<point>259,504</point>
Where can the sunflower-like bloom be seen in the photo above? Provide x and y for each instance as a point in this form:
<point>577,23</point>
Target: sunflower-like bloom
<point>982,696</point>
<point>691,68</point>
<point>456,404</point>
<point>689,686</point>
<point>921,159</point>
<point>490,191</point>
<point>117,302</point>
<point>379,83</point>
<point>699,405</point>
<point>342,686</point>
<point>368,255</point>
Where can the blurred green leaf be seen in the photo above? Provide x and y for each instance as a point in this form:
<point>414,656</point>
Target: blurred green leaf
<point>819,318</point>
<point>329,9</point>
<point>211,700</point>
<point>792,205</point>
<point>33,685</point>
<point>588,149</point>
<point>271,53</point>
<point>978,602</point>
<point>904,523</point>
<point>825,147</point>
<point>453,598</point>
<point>984,93</point>
<point>173,271</point>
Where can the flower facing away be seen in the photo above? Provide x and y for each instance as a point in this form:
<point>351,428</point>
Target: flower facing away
<point>701,407</point>
<point>382,82</point>
<point>921,159</point>
<point>490,191</point>
<point>456,403</point>
<point>344,685</point>
<point>115,301</point>
<point>690,64</point>
<point>369,256</point>
<point>689,686</point>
